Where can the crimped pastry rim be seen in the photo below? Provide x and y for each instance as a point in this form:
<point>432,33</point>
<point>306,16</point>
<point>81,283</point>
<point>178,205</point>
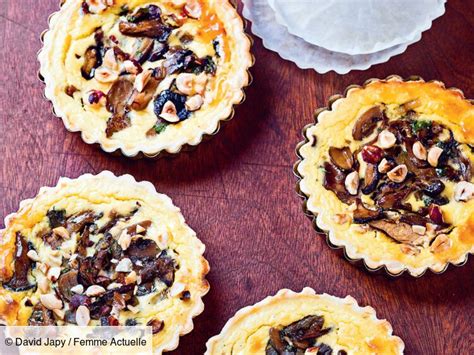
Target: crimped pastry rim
<point>369,264</point>
<point>287,293</point>
<point>138,152</point>
<point>129,179</point>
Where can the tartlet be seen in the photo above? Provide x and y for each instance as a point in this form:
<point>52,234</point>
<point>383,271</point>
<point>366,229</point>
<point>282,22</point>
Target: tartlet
<point>102,250</point>
<point>305,323</point>
<point>386,171</point>
<point>143,76</point>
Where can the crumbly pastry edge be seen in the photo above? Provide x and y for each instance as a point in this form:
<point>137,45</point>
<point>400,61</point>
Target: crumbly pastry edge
<point>285,294</point>
<point>393,269</point>
<point>173,343</point>
<point>118,147</point>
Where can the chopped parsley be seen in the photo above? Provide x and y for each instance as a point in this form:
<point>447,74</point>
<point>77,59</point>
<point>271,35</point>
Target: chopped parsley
<point>419,125</point>
<point>160,127</point>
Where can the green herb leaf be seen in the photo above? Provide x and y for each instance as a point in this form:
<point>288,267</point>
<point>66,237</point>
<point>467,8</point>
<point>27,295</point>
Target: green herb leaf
<point>419,125</point>
<point>160,127</point>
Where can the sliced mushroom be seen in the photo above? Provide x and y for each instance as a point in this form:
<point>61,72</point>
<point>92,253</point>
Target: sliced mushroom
<point>145,47</point>
<point>19,281</point>
<point>156,325</point>
<point>178,58</point>
<point>92,60</point>
<point>371,179</point>
<point>153,28</point>
<point>119,95</point>
<point>334,180</point>
<point>77,222</point>
<point>399,231</point>
<point>66,282</point>
<point>142,99</point>
<point>142,249</point>
<point>341,157</point>
<point>41,316</point>
<point>367,122</point>
<point>392,195</point>
<point>363,215</point>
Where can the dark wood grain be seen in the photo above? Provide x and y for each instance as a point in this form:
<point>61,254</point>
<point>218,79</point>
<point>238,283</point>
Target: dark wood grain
<point>237,191</point>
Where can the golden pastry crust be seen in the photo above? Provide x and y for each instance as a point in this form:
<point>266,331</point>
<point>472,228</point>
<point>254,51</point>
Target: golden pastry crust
<point>355,330</point>
<point>72,32</point>
<point>119,205</point>
<point>334,128</point>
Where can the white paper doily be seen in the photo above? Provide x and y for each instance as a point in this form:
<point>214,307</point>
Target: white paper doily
<point>357,26</point>
<point>305,55</point>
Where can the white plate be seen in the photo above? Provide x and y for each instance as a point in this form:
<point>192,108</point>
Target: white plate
<point>305,55</point>
<point>357,26</point>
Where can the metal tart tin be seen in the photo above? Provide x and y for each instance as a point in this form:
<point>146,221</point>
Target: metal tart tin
<point>162,153</point>
<point>341,250</point>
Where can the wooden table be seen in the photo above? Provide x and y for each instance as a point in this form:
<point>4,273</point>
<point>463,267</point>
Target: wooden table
<point>238,190</point>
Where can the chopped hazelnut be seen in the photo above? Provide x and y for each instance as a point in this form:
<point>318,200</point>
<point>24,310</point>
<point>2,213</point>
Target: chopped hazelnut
<point>433,155</point>
<point>386,139</point>
<point>398,174</point>
<point>169,112</point>
<point>419,151</point>
<point>441,243</point>
<point>464,191</point>
<point>194,102</point>
<point>352,182</point>
<point>105,75</point>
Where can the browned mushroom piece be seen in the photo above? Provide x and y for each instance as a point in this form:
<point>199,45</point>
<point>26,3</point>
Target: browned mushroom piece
<point>142,248</point>
<point>372,177</point>
<point>362,214</point>
<point>142,99</point>
<point>334,179</point>
<point>275,341</point>
<point>117,122</point>
<point>399,231</point>
<point>66,281</point>
<point>392,195</point>
<point>144,48</point>
<point>118,99</point>
<point>367,122</point>
<point>78,221</point>
<point>19,281</point>
<point>119,94</point>
<point>41,316</point>
<point>92,60</point>
<point>465,167</point>
<point>341,157</point>
<point>87,273</point>
<point>414,219</point>
<point>156,325</point>
<point>153,28</point>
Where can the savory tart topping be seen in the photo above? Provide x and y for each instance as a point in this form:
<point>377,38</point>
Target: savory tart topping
<point>305,323</point>
<point>397,158</point>
<point>93,276</point>
<point>405,168</point>
<point>140,53</point>
<point>366,123</point>
<point>386,139</point>
<point>464,191</point>
<point>352,182</point>
<point>297,336</point>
